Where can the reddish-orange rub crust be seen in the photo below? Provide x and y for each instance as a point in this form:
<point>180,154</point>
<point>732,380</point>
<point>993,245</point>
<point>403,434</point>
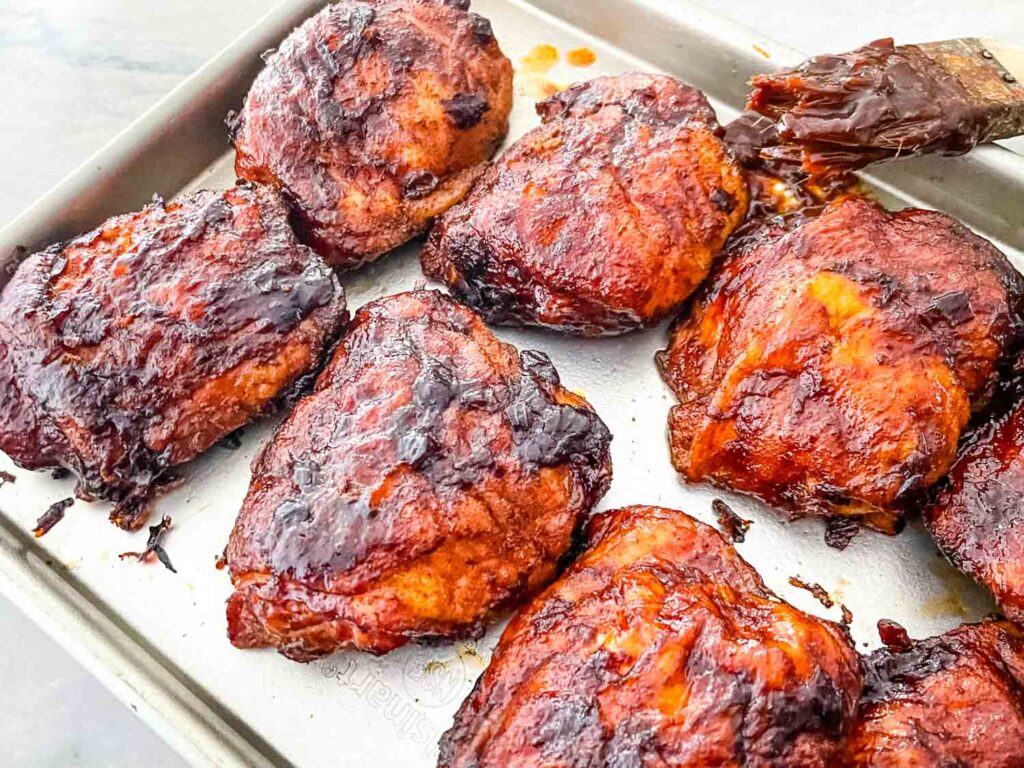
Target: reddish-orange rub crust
<point>659,647</point>
<point>831,369</point>
<point>434,477</point>
<point>945,702</point>
<point>603,219</point>
<point>133,348</point>
<point>374,117</point>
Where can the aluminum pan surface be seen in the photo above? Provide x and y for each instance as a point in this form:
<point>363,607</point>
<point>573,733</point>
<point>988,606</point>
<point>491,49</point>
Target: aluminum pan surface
<point>159,638</point>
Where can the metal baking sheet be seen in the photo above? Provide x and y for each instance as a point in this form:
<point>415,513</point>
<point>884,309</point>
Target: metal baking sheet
<point>158,638</point>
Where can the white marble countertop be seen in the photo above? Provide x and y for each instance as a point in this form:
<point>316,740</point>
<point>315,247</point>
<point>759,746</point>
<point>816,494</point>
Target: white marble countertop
<point>74,72</point>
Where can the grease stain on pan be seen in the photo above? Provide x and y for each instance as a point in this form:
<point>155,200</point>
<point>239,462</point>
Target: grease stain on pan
<point>468,652</point>
<point>540,59</point>
<point>949,604</point>
<point>581,57</point>
<point>531,76</point>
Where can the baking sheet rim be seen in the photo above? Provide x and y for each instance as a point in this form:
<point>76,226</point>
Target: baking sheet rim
<point>203,733</point>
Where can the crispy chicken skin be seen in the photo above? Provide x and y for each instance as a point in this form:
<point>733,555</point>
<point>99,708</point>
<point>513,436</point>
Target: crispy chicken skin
<point>375,116</point>
<point>658,647</point>
<point>601,220</point>
<point>135,347</point>
<point>977,518</point>
<point>830,369</point>
<point>952,700</point>
<point>434,477</point>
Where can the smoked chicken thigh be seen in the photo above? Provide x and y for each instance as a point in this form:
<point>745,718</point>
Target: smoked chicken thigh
<point>659,647</point>
<point>830,369</point>
<point>978,516</point>
<point>133,348</point>
<point>601,220</point>
<point>948,701</point>
<point>375,116</point>
<point>434,477</point>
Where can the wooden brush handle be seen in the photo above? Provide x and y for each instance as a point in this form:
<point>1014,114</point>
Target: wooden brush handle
<point>1010,56</point>
<point>988,70</point>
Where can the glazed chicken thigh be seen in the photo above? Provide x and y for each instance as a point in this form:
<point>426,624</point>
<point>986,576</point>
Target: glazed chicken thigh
<point>603,219</point>
<point>948,701</point>
<point>434,477</point>
<point>131,349</point>
<point>658,647</point>
<point>830,368</point>
<point>373,117</point>
<point>977,518</point>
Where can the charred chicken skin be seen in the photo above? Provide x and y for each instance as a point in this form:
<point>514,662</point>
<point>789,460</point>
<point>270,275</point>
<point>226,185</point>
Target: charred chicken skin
<point>601,220</point>
<point>434,477</point>
<point>375,116</point>
<point>952,700</point>
<point>978,516</point>
<point>831,368</point>
<point>134,348</point>
<point>659,647</point>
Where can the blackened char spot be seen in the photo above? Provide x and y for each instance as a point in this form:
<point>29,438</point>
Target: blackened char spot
<point>233,122</point>
<point>547,433</point>
<point>635,737</point>
<point>570,731</point>
<point>318,531</point>
<point>816,590</point>
<point>816,707</point>
<point>330,537</point>
<point>473,255</point>
<point>732,525</point>
<point>164,558</point>
<point>913,483</point>
<point>231,442</point>
<point>889,672</point>
<point>274,297</point>
<point>747,135</point>
<point>953,307</point>
<point>419,426</point>
<point>154,546</point>
<point>419,184</point>
<point>51,517</point>
<point>482,29</point>
<point>132,508</point>
<point>888,286</point>
<point>723,200</point>
<point>466,109</point>
<point>434,388</point>
<point>320,65</point>
<point>539,364</point>
<point>840,531</point>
